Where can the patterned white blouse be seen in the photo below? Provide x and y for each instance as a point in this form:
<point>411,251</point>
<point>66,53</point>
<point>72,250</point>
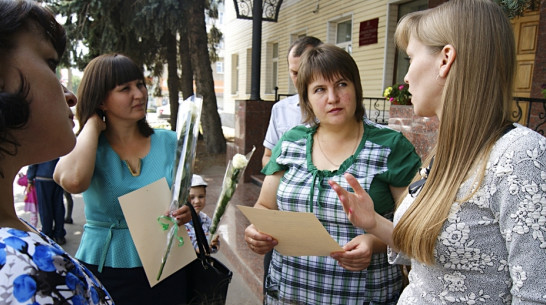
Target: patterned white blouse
<point>492,248</point>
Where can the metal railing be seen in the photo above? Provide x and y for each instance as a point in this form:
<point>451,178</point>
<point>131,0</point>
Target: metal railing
<point>377,109</point>
<point>530,111</point>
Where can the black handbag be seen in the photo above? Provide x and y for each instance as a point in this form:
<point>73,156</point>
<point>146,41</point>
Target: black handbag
<point>208,279</point>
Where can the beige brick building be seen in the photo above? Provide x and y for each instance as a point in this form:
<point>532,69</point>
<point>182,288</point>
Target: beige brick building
<point>353,25</point>
<point>364,28</point>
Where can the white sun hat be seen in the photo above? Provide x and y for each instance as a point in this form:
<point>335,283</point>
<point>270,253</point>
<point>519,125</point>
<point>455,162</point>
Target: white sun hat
<point>197,180</point>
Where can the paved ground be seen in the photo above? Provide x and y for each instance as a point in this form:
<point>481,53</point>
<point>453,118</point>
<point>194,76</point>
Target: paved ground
<point>239,293</point>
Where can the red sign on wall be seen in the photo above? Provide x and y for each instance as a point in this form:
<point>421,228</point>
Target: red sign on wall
<point>368,32</point>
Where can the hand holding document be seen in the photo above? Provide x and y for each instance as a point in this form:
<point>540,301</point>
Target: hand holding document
<point>298,234</point>
<point>140,209</point>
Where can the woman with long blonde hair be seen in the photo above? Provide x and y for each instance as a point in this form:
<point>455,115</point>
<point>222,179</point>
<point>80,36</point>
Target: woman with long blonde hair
<point>474,232</point>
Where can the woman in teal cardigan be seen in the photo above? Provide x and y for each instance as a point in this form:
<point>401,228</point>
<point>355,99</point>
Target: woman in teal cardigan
<point>118,152</point>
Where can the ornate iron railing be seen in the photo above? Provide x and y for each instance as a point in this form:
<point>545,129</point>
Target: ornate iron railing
<point>530,112</point>
<point>376,109</point>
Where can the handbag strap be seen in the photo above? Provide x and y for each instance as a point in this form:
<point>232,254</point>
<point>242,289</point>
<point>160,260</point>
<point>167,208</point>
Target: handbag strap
<point>204,249</point>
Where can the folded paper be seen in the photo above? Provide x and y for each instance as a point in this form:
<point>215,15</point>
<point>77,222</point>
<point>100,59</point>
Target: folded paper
<point>141,209</point>
<point>298,234</point>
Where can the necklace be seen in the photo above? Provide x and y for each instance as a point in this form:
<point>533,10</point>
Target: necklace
<point>353,151</point>
<point>135,172</point>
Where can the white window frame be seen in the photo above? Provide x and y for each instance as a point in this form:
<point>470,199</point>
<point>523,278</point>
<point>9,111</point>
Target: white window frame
<point>272,68</point>
<point>234,74</point>
<point>248,82</point>
<point>332,32</point>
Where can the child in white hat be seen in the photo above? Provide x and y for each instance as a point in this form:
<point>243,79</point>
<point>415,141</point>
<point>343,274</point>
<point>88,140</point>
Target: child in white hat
<point>198,199</point>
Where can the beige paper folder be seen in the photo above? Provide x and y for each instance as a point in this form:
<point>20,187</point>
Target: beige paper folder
<point>298,234</point>
<point>141,209</point>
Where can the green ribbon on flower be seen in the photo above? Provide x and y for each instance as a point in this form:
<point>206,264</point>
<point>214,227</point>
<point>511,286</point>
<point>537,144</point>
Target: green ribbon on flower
<point>166,222</point>
<point>165,226</point>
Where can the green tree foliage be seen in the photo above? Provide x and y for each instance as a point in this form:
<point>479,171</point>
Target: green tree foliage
<point>517,8</point>
<point>148,31</point>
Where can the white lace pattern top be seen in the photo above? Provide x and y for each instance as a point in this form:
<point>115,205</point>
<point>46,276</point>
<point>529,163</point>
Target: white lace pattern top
<point>492,248</point>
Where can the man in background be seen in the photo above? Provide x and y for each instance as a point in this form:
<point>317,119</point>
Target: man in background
<point>286,113</point>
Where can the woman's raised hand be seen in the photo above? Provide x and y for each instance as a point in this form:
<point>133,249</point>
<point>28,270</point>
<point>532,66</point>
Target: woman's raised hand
<point>97,121</point>
<point>358,206</point>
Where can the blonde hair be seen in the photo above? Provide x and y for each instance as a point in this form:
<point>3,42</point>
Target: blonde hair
<point>476,100</point>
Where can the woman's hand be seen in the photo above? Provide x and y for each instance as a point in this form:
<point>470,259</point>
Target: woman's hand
<point>182,215</point>
<point>258,242</point>
<point>358,206</point>
<point>96,121</point>
<point>358,253</point>
<point>215,243</point>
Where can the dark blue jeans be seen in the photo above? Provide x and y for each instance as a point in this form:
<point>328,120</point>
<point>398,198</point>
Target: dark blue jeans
<point>51,208</point>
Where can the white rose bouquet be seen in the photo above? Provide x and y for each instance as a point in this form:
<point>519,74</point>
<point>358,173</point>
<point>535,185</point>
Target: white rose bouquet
<point>234,172</point>
<point>187,130</point>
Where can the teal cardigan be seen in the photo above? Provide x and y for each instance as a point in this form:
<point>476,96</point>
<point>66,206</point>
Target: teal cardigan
<point>106,240</point>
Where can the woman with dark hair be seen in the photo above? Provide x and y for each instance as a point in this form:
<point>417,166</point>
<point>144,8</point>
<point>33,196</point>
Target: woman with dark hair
<point>117,152</point>
<point>474,232</point>
<point>339,140</point>
<point>35,126</point>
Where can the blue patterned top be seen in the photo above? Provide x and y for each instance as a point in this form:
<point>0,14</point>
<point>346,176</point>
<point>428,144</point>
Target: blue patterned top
<point>106,238</point>
<point>384,157</point>
<point>35,270</point>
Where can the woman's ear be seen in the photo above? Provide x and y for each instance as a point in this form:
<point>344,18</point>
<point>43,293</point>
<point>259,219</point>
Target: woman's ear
<point>448,55</point>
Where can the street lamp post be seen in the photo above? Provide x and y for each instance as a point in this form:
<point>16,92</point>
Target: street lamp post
<point>257,11</point>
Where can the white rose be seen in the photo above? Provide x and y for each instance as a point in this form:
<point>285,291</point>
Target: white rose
<point>239,161</point>
<point>192,110</point>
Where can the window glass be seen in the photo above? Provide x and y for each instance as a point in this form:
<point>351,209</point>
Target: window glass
<point>344,32</point>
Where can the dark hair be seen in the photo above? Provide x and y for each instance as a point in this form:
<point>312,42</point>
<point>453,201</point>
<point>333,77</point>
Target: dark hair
<point>101,75</point>
<point>328,61</point>
<point>17,16</point>
<point>301,44</point>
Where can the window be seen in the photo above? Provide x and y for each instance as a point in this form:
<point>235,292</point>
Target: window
<point>248,71</point>
<point>340,33</point>
<point>344,31</point>
<point>272,69</point>
<point>220,67</point>
<point>234,74</point>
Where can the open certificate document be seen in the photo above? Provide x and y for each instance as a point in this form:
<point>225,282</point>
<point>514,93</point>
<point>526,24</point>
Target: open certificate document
<point>298,234</point>
<point>140,209</point>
